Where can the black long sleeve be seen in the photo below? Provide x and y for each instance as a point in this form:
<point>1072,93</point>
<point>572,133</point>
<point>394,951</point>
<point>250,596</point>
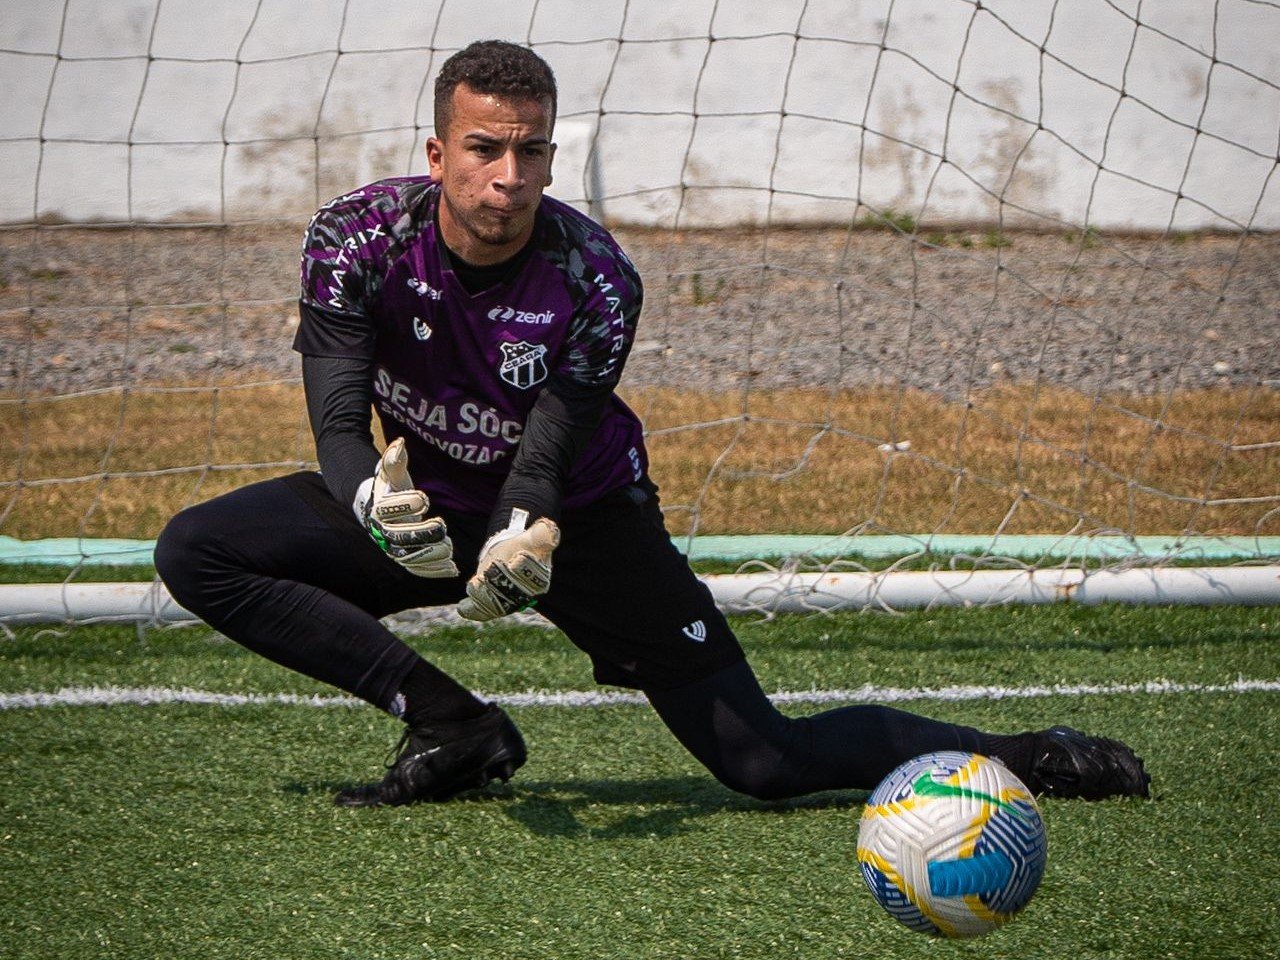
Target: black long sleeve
<point>562,421</point>
<point>339,393</point>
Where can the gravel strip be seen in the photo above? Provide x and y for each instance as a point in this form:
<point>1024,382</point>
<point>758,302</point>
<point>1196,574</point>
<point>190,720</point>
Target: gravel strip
<point>85,309</point>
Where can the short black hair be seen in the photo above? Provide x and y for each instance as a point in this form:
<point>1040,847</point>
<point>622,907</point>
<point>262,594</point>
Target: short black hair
<point>494,67</point>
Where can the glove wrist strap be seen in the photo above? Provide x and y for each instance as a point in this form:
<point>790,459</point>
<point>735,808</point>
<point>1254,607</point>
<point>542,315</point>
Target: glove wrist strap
<point>519,521</point>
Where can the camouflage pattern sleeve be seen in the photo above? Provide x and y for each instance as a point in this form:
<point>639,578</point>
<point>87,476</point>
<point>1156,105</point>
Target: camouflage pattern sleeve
<point>604,324</point>
<point>335,283</point>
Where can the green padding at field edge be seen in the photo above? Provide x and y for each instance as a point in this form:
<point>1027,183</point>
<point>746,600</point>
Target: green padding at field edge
<point>73,550</point>
<point>1023,547</point>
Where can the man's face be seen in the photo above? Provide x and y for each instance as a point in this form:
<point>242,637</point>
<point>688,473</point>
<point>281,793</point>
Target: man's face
<point>493,163</point>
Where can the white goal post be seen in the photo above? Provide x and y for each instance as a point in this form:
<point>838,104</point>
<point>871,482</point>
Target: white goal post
<point>1002,270</point>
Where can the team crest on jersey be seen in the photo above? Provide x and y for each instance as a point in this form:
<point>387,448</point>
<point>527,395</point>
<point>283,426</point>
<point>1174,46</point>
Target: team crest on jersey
<point>522,364</point>
<point>420,329</point>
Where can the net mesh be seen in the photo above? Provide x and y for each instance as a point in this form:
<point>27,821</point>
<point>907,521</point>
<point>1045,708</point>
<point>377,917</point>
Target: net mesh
<point>991,269</point>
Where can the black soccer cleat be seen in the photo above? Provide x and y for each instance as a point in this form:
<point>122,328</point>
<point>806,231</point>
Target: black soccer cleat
<point>437,761</point>
<point>1067,763</point>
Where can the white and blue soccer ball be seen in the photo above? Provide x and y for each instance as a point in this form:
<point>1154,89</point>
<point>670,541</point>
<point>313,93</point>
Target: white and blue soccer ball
<point>952,844</point>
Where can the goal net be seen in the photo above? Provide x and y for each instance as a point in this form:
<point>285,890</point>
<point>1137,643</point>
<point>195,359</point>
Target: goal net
<point>930,284</point>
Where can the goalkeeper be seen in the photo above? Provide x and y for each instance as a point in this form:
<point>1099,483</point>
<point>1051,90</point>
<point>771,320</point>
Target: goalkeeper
<point>487,326</point>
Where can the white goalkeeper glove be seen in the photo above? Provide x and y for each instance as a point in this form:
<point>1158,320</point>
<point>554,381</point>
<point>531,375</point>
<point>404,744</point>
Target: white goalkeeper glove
<point>395,514</point>
<point>514,569</point>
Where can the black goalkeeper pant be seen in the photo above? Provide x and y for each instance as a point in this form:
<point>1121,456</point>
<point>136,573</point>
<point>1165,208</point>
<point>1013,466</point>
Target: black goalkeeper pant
<point>283,569</point>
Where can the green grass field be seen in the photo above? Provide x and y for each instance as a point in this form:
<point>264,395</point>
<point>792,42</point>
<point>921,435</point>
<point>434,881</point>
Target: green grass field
<point>207,831</point>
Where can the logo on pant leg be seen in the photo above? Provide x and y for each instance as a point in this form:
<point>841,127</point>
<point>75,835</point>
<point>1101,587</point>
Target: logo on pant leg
<point>522,364</point>
<point>696,631</point>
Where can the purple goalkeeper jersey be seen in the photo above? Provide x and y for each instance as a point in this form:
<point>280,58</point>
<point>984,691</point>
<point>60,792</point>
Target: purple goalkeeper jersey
<point>456,373</point>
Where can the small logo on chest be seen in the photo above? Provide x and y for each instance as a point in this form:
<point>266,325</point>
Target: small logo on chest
<point>420,329</point>
<point>503,314</point>
<point>422,288</point>
<point>523,364</point>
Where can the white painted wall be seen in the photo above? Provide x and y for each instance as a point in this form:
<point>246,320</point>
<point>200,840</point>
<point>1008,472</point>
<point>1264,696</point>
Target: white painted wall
<point>241,109</point>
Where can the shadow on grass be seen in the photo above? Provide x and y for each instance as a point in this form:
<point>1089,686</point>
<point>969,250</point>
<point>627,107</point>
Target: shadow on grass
<point>667,806</point>
<point>661,806</point>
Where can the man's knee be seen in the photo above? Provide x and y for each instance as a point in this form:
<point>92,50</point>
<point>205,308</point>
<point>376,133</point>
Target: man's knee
<point>760,781</point>
<point>182,551</point>
<point>765,768</point>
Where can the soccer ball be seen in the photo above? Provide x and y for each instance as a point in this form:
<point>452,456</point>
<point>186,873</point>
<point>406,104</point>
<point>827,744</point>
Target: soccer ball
<point>952,844</point>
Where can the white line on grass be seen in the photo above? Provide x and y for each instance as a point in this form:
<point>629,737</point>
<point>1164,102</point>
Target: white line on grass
<point>154,696</point>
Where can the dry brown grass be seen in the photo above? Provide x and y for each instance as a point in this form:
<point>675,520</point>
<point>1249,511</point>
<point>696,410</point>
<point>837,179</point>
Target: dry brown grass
<point>806,461</point>
<point>135,459</point>
<point>793,461</point>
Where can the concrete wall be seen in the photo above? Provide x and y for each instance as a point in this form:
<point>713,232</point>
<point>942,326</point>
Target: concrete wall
<point>1032,111</point>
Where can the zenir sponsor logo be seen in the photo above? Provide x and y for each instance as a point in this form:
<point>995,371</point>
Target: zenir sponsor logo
<point>523,364</point>
<point>504,314</point>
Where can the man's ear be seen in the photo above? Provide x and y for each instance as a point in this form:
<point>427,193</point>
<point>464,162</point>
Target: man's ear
<point>435,157</point>
<point>550,163</point>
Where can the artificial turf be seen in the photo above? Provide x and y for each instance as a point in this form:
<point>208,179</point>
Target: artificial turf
<point>202,831</point>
